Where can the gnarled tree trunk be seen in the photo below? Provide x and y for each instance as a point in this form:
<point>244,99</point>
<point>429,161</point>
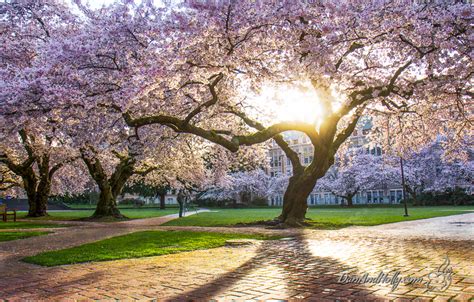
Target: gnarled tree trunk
<point>107,204</point>
<point>295,200</point>
<point>37,183</point>
<point>111,187</point>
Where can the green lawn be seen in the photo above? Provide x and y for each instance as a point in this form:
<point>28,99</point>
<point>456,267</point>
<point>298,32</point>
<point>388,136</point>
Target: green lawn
<point>321,217</point>
<point>78,214</point>
<point>135,245</point>
<point>7,236</point>
<point>27,225</point>
<point>120,206</point>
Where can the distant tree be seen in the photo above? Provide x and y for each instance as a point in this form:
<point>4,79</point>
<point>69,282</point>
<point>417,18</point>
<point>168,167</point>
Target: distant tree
<point>432,169</point>
<point>148,190</point>
<point>355,171</point>
<point>254,182</point>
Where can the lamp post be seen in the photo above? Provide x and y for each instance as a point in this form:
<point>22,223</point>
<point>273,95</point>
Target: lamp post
<point>403,188</point>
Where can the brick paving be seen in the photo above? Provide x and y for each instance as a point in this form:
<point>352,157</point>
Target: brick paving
<point>307,267</point>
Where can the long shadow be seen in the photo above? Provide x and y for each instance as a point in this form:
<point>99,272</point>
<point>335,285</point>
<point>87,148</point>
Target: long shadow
<point>47,287</point>
<point>299,275</point>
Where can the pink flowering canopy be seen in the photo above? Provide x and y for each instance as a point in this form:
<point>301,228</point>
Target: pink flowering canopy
<point>220,71</point>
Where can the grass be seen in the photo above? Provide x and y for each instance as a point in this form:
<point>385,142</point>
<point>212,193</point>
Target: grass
<point>321,217</point>
<point>28,225</point>
<point>85,206</point>
<point>7,236</point>
<point>78,214</point>
<point>136,245</point>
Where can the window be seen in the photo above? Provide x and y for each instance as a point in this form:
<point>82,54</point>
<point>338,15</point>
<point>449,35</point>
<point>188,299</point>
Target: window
<point>381,196</point>
<point>369,197</point>
<point>395,196</point>
<point>358,198</point>
<point>326,198</point>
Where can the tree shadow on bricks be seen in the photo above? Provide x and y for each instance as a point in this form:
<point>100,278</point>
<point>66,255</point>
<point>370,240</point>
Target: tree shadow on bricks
<point>47,286</point>
<point>283,270</point>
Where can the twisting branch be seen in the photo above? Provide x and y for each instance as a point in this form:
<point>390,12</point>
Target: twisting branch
<point>58,166</point>
<point>212,101</point>
<point>290,153</point>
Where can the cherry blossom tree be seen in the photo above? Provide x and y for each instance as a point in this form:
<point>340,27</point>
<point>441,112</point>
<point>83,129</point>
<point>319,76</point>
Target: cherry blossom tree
<point>359,57</point>
<point>35,160</point>
<point>31,147</point>
<point>256,182</point>
<point>432,169</point>
<point>194,67</point>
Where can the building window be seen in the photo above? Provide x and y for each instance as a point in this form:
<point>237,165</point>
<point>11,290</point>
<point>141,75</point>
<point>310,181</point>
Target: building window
<point>396,196</point>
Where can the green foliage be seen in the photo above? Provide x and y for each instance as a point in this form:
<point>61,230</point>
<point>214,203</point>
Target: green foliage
<point>139,244</point>
<point>458,196</point>
<point>321,218</point>
<point>144,189</point>
<point>259,202</point>
<point>83,198</point>
<point>133,202</point>
<point>8,236</point>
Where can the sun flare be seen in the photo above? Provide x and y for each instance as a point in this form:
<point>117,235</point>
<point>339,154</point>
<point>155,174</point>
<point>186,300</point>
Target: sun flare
<point>298,102</point>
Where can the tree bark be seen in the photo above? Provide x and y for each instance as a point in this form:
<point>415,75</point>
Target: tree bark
<point>37,184</point>
<point>38,187</point>
<point>295,200</point>
<point>180,200</point>
<point>107,204</point>
<point>349,200</point>
<point>111,187</point>
<point>162,200</point>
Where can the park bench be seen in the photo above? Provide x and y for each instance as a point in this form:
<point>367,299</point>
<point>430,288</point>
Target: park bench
<point>4,212</point>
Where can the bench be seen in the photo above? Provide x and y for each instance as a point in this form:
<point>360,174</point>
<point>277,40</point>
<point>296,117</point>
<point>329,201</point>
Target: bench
<point>4,212</point>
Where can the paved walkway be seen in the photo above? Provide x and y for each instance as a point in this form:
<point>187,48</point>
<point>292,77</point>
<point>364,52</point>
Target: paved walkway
<point>308,267</point>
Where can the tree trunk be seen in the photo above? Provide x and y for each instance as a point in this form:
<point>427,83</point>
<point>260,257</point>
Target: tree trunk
<point>295,200</point>
<point>107,204</point>
<point>162,200</point>
<point>37,194</point>
<point>31,194</point>
<point>111,187</point>
<point>181,208</point>
<point>349,200</point>
<point>180,200</point>
<point>41,203</point>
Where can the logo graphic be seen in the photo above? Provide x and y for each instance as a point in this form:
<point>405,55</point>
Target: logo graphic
<point>440,279</point>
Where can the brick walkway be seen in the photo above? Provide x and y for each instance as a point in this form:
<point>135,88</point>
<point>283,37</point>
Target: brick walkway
<point>307,267</point>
